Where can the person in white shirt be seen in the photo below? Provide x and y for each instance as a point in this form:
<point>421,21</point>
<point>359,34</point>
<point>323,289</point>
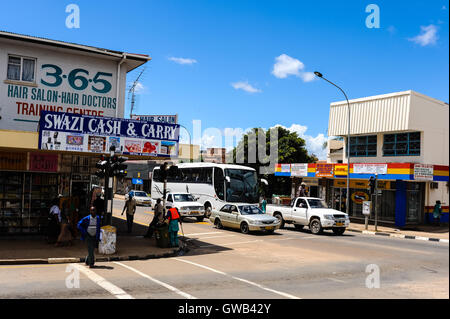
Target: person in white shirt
<point>54,221</point>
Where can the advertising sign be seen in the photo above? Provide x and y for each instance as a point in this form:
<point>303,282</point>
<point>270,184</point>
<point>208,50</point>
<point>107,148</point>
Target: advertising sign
<point>137,181</point>
<point>43,162</point>
<point>82,133</point>
<point>359,197</point>
<point>366,208</point>
<point>370,168</point>
<point>299,170</point>
<point>170,119</point>
<point>423,172</point>
<point>285,168</point>
<point>324,170</point>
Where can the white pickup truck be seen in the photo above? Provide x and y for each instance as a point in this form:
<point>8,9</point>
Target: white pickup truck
<point>311,212</point>
<point>186,204</point>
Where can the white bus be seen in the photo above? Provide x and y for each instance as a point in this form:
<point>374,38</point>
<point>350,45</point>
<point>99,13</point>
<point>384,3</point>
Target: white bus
<point>213,184</point>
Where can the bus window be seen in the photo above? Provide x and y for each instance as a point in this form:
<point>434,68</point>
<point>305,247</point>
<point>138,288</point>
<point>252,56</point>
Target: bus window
<point>219,183</point>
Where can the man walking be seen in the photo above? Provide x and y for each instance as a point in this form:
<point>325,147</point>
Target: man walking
<point>437,211</point>
<point>99,204</point>
<point>174,218</point>
<point>158,218</point>
<point>89,227</point>
<point>130,207</point>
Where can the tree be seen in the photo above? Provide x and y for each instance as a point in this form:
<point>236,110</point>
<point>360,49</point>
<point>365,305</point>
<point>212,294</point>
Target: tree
<point>291,149</point>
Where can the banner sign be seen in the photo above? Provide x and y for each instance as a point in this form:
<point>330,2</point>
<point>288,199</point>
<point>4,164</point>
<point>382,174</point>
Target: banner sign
<point>137,181</point>
<point>423,172</point>
<point>83,133</point>
<point>370,168</point>
<point>285,168</point>
<point>299,170</point>
<point>170,119</point>
<point>44,162</point>
<point>324,170</point>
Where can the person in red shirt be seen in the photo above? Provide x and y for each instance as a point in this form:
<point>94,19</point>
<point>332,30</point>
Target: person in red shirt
<point>174,218</point>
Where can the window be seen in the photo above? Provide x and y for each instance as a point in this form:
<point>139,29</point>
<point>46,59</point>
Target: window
<point>169,198</point>
<point>301,203</point>
<point>20,68</point>
<point>363,146</point>
<point>402,144</point>
<point>225,209</point>
<point>219,180</point>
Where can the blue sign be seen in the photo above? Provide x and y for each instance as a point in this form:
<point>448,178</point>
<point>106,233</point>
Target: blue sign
<point>137,181</point>
<point>84,133</point>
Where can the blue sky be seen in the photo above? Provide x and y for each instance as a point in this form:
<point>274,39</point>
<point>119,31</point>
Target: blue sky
<point>229,78</point>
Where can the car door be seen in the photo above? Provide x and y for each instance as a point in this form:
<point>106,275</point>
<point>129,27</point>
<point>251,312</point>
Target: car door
<point>234,216</point>
<point>300,211</point>
<point>223,214</point>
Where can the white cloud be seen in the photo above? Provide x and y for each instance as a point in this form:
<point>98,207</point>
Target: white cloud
<point>285,66</point>
<point>391,29</point>
<point>245,86</point>
<point>314,144</point>
<point>444,7</point>
<point>427,36</point>
<point>182,60</point>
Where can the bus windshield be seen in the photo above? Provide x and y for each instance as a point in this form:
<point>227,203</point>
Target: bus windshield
<point>242,187</point>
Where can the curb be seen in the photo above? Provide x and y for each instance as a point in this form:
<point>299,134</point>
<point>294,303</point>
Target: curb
<point>70,260</point>
<point>367,232</point>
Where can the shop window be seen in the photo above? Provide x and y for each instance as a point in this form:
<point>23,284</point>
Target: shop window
<point>21,68</point>
<point>403,144</point>
<point>363,146</point>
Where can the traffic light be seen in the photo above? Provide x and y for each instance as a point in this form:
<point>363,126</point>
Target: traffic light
<point>102,166</point>
<point>163,170</point>
<point>372,183</point>
<point>118,168</point>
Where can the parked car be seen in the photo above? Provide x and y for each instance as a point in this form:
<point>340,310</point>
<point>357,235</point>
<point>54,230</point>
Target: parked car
<point>140,197</point>
<point>246,217</point>
<point>311,212</point>
<point>186,204</point>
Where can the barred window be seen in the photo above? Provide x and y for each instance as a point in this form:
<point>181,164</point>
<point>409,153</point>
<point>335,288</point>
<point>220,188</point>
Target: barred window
<point>402,144</point>
<point>363,146</point>
<point>21,68</point>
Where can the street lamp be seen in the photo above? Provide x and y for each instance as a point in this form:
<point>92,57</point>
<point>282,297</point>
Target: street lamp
<point>347,208</point>
<point>191,151</point>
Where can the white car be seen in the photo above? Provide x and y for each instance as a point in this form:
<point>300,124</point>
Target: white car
<point>140,197</point>
<point>186,204</point>
<point>246,217</point>
<point>311,212</point>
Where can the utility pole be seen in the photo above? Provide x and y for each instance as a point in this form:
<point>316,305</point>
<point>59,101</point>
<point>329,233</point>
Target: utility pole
<point>376,200</point>
<point>132,89</point>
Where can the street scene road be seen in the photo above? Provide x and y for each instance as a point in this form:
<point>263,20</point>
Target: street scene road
<point>226,264</point>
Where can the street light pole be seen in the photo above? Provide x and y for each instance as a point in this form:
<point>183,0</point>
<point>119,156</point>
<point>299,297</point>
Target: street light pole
<point>191,152</point>
<point>347,206</point>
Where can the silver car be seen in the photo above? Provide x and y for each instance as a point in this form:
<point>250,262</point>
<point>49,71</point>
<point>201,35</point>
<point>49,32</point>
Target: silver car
<point>246,217</point>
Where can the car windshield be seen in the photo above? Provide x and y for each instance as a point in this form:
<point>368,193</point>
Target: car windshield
<point>317,203</point>
<point>183,198</point>
<point>140,194</point>
<point>243,186</point>
<point>250,210</point>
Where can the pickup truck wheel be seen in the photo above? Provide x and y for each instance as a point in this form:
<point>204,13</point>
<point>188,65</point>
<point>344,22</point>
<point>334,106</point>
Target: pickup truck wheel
<point>298,227</point>
<point>244,228</point>
<point>315,227</point>
<point>338,231</point>
<point>200,218</point>
<point>280,218</point>
<point>218,223</point>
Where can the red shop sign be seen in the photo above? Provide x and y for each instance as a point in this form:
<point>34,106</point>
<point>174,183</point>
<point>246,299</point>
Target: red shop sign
<point>40,162</point>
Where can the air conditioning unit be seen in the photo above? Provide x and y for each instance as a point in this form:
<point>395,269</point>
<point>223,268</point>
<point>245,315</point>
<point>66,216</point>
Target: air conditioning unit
<point>434,185</point>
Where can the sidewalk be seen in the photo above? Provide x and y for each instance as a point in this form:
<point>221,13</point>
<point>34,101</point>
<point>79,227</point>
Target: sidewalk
<point>430,232</point>
<point>28,250</point>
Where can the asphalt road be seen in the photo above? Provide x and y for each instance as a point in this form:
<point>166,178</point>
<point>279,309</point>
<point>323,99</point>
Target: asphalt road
<point>226,264</point>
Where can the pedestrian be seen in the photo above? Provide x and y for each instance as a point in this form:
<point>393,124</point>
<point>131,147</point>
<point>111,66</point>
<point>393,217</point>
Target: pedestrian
<point>437,211</point>
<point>99,204</point>
<point>130,207</point>
<point>65,236</point>
<point>264,204</point>
<point>174,218</point>
<point>303,191</point>
<point>89,227</point>
<point>54,221</point>
<point>158,219</point>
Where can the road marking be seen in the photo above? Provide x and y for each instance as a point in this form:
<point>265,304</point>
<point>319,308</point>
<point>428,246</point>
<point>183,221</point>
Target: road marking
<point>196,234</point>
<point>336,280</point>
<point>102,282</point>
<point>209,237</point>
<point>234,243</point>
<point>421,238</point>
<point>240,279</point>
<point>171,288</point>
<point>30,266</point>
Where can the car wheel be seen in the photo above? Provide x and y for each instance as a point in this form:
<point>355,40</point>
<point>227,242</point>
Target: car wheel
<point>244,228</point>
<point>280,218</point>
<point>338,231</point>
<point>207,211</point>
<point>200,218</point>
<point>218,224</point>
<point>298,227</point>
<point>315,226</point>
<point>270,232</point>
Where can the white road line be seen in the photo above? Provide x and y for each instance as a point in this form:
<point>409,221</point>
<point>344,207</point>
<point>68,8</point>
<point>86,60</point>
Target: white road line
<point>234,243</point>
<point>211,237</point>
<point>171,288</point>
<point>336,280</point>
<point>240,279</point>
<point>421,238</point>
<point>102,282</point>
<point>196,234</point>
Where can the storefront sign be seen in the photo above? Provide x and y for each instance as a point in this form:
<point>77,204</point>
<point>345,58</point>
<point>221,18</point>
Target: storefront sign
<point>370,168</point>
<point>299,170</point>
<point>13,161</point>
<point>340,169</point>
<point>171,119</point>
<point>43,162</point>
<point>359,197</point>
<point>366,208</point>
<point>137,181</point>
<point>324,170</point>
<point>285,168</point>
<point>423,172</point>
<point>82,133</point>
